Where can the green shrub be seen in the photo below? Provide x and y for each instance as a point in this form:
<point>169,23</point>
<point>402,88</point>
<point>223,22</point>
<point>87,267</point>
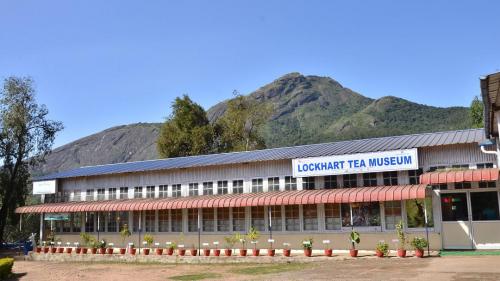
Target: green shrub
<point>383,247</point>
<point>6,267</point>
<point>419,243</point>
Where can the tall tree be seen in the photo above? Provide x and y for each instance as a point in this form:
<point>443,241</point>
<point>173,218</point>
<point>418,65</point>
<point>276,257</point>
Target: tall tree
<point>187,131</point>
<point>476,112</point>
<point>242,122</point>
<point>26,137</point>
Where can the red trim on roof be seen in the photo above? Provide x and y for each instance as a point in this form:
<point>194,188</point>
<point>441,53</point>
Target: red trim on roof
<point>459,176</point>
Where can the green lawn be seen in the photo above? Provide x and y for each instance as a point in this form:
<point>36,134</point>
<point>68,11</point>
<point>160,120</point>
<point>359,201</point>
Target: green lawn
<point>269,269</point>
<point>469,253</point>
<point>199,276</point>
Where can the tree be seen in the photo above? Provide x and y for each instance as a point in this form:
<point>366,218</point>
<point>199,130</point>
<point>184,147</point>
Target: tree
<point>241,124</point>
<point>476,112</point>
<point>26,137</point>
<point>187,131</point>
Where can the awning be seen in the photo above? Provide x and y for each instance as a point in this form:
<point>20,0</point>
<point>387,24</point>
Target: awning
<point>459,176</point>
<point>274,198</point>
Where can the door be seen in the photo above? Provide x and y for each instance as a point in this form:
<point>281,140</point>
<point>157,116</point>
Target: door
<point>457,226</point>
<point>485,219</point>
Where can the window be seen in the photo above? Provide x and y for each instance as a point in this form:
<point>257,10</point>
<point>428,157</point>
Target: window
<point>163,191</point>
<point>89,222</point>
<point>441,186</point>
<point>290,183</point>
<point>484,165</point>
<point>65,225</point>
<point>192,220</point>
<point>363,214</point>
<point>100,194</point>
<point>223,219</point>
<point>112,194</point>
<point>390,178</point>
<point>308,183</point>
<point>176,220</point>
<point>150,221</point>
<point>150,192</point>
<point>276,224</point>
<point>487,184</point>
<point>462,185</point>
<point>239,219</point>
<point>101,222</point>
<point>257,220</point>
<point>370,179</point>
<point>176,190</point>
<point>193,189</point>
<point>66,195</point>
<point>330,182</point>
<point>350,180</point>
<point>112,224</point>
<point>135,222</point>
<point>462,167</point>
<point>332,217</point>
<point>310,217</point>
<point>238,186</point>
<point>273,184</point>
<point>454,207</point>
<point>122,220</point>
<point>208,188</point>
<point>414,176</point>
<point>392,214</point>
<point>123,192</point>
<point>484,206</point>
<point>257,185</point>
<point>292,218</point>
<point>138,192</point>
<point>437,168</point>
<point>77,195</point>
<point>76,222</point>
<point>163,221</point>
<point>208,217</point>
<point>222,187</point>
<point>89,195</point>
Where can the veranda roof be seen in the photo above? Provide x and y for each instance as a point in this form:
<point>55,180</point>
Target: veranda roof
<point>459,176</point>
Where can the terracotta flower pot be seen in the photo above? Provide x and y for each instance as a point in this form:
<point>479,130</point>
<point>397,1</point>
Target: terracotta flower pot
<point>69,250</point>
<point>123,251</point>
<point>419,253</point>
<point>271,252</point>
<point>170,251</point>
<point>228,252</point>
<point>328,252</point>
<point>145,252</point>
<point>60,250</point>
<point>93,251</point>
<point>181,252</point>
<point>379,254</point>
<point>132,251</point>
<point>38,250</point>
<point>102,251</point>
<point>287,252</point>
<point>217,252</point>
<point>243,252</point>
<point>256,252</point>
<point>307,252</point>
<point>401,253</point>
<point>78,250</point>
<point>53,250</point>
<point>84,250</point>
<point>206,252</point>
<point>193,252</point>
<point>159,251</point>
<point>110,251</point>
<point>45,249</point>
<point>353,253</point>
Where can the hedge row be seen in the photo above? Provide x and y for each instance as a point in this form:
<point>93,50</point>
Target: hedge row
<point>6,267</point>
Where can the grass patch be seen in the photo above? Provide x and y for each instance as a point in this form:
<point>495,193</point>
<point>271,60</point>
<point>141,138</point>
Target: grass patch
<point>199,276</point>
<point>270,269</point>
<point>469,253</point>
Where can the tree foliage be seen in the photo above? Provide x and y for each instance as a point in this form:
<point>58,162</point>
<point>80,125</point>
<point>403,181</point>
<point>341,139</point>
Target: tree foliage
<point>26,137</point>
<point>476,112</point>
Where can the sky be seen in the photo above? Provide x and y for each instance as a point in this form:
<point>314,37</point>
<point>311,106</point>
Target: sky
<point>98,64</point>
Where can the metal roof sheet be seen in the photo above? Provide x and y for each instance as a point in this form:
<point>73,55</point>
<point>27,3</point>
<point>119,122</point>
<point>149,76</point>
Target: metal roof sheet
<point>281,153</point>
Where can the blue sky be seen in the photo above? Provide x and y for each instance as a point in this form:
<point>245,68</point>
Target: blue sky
<point>99,64</point>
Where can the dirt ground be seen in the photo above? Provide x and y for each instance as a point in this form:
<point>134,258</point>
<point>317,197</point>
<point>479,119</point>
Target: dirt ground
<point>445,268</point>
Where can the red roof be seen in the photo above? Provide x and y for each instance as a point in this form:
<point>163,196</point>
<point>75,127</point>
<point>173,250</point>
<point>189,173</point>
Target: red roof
<point>274,198</point>
<point>459,176</point>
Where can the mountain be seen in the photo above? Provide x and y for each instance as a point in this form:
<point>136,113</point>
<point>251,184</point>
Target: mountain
<point>307,109</point>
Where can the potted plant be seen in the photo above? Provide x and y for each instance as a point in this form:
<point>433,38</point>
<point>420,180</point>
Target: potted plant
<point>401,239</point>
<point>193,250</point>
<point>170,248</point>
<point>69,249</point>
<point>328,249</point>
<point>124,234</point>
<point>355,239</point>
<point>206,249</point>
<point>53,248</point>
<point>148,241</point>
<point>216,250</point>
<point>45,247</point>
<point>271,251</point>
<point>78,250</point>
<point>39,248</point>
<point>101,245</point>
<point>229,245</point>
<point>181,251</point>
<point>286,249</point>
<point>88,241</point>
<point>418,244</point>
<point>241,239</point>
<point>253,235</point>
<point>110,249</point>
<point>60,248</point>
<point>158,250</point>
<point>382,249</point>
<point>131,248</point>
<point>307,245</point>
